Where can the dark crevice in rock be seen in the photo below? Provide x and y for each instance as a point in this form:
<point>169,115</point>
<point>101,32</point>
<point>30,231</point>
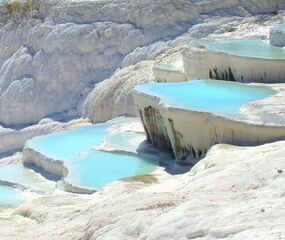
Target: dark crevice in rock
<point>210,74</point>
<point>231,76</point>
<point>183,152</point>
<point>155,129</point>
<point>144,126</point>
<point>217,74</point>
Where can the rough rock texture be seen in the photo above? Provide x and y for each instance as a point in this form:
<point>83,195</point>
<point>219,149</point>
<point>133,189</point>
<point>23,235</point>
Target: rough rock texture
<point>113,97</point>
<point>215,27</point>
<point>192,132</point>
<point>170,69</point>
<point>53,51</point>
<point>271,109</point>
<point>203,63</point>
<point>169,52</point>
<point>234,193</point>
<point>12,139</point>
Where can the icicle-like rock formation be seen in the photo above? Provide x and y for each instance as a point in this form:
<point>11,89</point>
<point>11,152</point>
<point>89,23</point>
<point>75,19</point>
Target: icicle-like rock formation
<point>235,60</point>
<point>190,132</point>
<point>53,52</point>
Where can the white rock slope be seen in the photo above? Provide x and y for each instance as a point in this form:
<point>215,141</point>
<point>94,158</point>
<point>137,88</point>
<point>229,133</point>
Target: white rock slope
<point>246,201</point>
<point>113,97</point>
<point>53,52</point>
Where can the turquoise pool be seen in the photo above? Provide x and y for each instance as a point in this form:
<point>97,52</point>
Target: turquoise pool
<point>219,97</point>
<point>9,197</point>
<point>18,174</point>
<point>248,48</point>
<point>67,145</point>
<point>92,168</point>
<point>98,169</point>
<point>125,141</point>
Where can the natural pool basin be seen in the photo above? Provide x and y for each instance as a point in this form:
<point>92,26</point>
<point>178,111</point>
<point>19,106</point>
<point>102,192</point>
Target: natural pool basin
<point>125,141</point>
<point>241,60</point>
<point>19,175</point>
<point>98,168</point>
<point>16,181</point>
<point>190,117</point>
<point>70,144</point>
<point>248,48</point>
<point>218,97</point>
<point>72,155</point>
<point>9,197</point>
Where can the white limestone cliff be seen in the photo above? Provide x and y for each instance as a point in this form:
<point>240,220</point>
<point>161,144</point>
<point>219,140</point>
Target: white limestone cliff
<point>50,63</point>
<point>203,63</point>
<point>53,52</point>
<point>54,39</point>
<point>190,133</point>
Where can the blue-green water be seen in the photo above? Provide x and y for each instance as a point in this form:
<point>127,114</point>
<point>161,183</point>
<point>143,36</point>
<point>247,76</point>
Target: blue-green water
<point>9,197</point>
<point>248,48</point>
<point>17,173</point>
<point>219,97</point>
<point>125,141</point>
<point>98,169</point>
<point>68,145</point>
<point>94,169</point>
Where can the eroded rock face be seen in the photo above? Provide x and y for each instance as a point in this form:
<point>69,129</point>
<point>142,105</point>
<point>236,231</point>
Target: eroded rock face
<point>191,133</point>
<point>53,52</point>
<point>113,97</point>
<point>203,63</point>
<point>154,127</point>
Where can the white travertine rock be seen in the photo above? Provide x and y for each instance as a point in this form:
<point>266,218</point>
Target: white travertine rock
<point>113,97</point>
<point>55,52</point>
<point>168,73</point>
<point>169,52</point>
<point>243,184</point>
<point>14,139</point>
<point>50,165</point>
<point>203,63</point>
<point>190,133</point>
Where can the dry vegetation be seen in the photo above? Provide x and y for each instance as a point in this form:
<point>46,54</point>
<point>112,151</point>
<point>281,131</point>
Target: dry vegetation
<point>19,10</point>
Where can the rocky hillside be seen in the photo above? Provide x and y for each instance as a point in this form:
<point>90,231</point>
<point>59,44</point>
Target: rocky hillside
<point>67,59</point>
<point>53,52</point>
